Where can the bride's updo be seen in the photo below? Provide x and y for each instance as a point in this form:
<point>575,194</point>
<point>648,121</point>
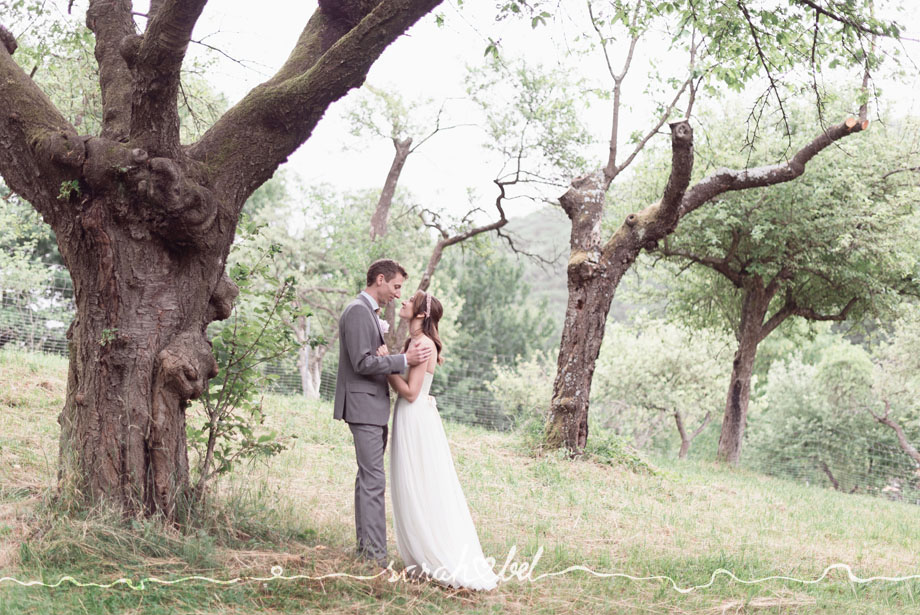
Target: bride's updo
<point>426,305</point>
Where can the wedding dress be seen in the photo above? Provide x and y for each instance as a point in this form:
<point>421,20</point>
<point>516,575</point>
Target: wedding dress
<point>434,530</point>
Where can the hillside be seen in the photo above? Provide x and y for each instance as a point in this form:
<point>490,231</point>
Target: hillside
<point>546,233</point>
<point>685,521</point>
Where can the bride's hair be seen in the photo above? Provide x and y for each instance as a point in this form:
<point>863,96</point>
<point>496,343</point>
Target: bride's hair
<point>420,304</point>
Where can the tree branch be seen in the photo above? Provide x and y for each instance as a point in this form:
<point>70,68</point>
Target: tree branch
<point>681,168</point>
<point>333,55</point>
<point>843,19</point>
<point>902,438</point>
<point>725,180</point>
<point>811,314</point>
<point>721,265</point>
<point>111,21</point>
<point>156,58</point>
<point>39,149</point>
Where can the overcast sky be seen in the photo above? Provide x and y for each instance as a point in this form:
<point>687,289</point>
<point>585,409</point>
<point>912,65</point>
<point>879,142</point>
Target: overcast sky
<point>429,62</point>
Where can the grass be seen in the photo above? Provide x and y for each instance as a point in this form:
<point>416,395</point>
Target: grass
<point>684,520</point>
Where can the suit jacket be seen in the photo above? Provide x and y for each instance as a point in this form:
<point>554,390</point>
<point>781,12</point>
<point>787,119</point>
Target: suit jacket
<point>362,394</point>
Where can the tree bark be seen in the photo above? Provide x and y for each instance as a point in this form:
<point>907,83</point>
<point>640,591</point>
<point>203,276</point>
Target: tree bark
<point>754,308</point>
<point>382,211</point>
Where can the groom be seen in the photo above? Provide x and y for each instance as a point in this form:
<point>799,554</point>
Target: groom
<point>362,398</point>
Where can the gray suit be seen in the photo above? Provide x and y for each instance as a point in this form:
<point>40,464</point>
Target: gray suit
<point>362,399</point>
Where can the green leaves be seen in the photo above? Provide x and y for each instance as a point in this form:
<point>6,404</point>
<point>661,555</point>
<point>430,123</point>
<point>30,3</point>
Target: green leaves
<point>231,411</point>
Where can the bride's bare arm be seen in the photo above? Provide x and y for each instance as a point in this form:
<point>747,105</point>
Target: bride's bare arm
<point>413,387</point>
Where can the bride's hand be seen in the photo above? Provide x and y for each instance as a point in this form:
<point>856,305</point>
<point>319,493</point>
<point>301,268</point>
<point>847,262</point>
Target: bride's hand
<point>383,351</point>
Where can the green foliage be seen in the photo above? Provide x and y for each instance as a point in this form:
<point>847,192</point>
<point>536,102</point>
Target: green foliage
<point>232,413</point>
<point>494,325</point>
<point>35,291</point>
<point>532,118</point>
<point>609,448</point>
<point>108,336</point>
<point>523,389</point>
<point>648,370</point>
<point>811,424</point>
<point>842,231</point>
<point>69,189</point>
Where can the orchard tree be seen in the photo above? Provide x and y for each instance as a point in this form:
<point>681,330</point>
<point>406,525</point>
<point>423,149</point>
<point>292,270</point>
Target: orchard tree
<point>896,382</point>
<point>651,374</point>
<point>725,45</point>
<point>838,243</point>
<point>144,221</point>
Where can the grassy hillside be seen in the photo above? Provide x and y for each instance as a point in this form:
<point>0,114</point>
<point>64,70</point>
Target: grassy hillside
<point>295,511</point>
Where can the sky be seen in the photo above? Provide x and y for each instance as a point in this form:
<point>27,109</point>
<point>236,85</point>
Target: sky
<point>427,62</point>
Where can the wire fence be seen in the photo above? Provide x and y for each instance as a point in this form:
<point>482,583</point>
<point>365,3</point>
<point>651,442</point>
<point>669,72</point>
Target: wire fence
<point>868,462</point>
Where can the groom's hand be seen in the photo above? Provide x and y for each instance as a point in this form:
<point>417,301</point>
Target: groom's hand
<point>417,354</point>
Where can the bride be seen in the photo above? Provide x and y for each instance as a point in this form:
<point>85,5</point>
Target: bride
<point>435,535</point>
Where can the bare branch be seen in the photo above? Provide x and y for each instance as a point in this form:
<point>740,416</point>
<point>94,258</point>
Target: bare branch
<point>110,22</point>
<point>333,55</point>
<point>725,180</point>
<point>610,169</point>
<point>651,133</point>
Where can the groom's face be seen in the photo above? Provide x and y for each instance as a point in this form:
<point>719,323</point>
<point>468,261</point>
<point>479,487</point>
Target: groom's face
<point>390,289</point>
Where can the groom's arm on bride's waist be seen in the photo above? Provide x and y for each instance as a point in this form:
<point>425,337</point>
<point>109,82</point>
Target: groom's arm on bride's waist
<point>361,339</point>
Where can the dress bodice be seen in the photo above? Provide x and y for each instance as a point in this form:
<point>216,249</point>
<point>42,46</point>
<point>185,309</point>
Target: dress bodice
<point>425,390</point>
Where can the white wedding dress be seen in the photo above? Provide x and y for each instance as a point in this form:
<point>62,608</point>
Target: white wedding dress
<point>434,530</point>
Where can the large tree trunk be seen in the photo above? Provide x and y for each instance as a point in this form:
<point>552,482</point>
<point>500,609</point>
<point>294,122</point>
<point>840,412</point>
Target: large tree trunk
<point>750,332</point>
<point>138,353</point>
<point>593,275</point>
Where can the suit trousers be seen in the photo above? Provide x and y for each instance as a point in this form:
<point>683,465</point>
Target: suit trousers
<point>370,491</point>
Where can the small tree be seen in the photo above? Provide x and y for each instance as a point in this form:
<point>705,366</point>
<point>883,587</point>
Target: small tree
<point>837,243</point>
<point>650,373</point>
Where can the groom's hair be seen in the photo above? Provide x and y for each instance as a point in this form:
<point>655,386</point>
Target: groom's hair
<point>388,267</point>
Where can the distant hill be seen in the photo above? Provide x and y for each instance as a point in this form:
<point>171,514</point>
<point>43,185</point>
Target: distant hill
<point>546,233</point>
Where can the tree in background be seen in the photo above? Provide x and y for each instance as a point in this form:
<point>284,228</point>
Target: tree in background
<point>725,45</point>
<point>650,373</point>
<point>144,222</point>
<point>838,243</point>
<point>811,425</point>
<point>494,325</point>
<point>896,383</point>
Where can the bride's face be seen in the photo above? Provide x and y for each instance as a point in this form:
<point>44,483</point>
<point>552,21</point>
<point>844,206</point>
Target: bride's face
<point>405,311</point>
